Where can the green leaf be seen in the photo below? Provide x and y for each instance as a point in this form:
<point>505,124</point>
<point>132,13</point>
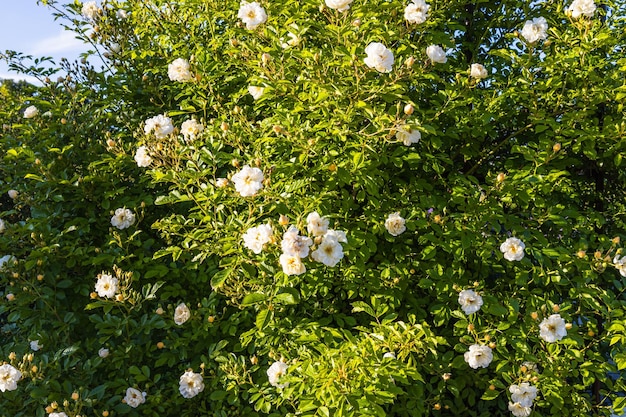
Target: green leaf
<point>253,298</point>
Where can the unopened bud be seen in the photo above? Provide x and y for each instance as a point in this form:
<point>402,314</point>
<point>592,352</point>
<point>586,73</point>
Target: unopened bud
<point>568,326</point>
<point>409,62</point>
<point>492,387</point>
<point>556,147</point>
<point>437,219</point>
<point>437,406</point>
<point>254,360</point>
<point>75,396</point>
<point>211,319</point>
<point>12,356</point>
<point>224,126</point>
<point>356,22</point>
<point>597,254</point>
<point>235,163</point>
<point>408,109</point>
<point>556,308</point>
<point>283,220</point>
<point>446,376</point>
<point>110,143</point>
<point>236,109</point>
<point>615,240</point>
<point>63,121</point>
<point>581,254</point>
<point>277,129</point>
<point>119,297</point>
<point>470,327</point>
<point>93,295</point>
<point>534,315</point>
<point>34,369</point>
<point>266,58</point>
<point>501,176</point>
<point>160,345</point>
<point>234,42</point>
<point>105,413</point>
<point>13,194</point>
<point>492,345</point>
<point>523,369</point>
<point>332,167</point>
<point>590,333</point>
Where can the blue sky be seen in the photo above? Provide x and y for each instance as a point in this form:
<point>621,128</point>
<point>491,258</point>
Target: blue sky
<point>30,28</point>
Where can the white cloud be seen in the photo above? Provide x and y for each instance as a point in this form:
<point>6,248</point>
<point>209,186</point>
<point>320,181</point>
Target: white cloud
<point>63,42</point>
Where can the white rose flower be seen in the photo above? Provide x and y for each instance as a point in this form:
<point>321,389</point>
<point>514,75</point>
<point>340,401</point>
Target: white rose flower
<point>255,92</point>
<point>620,264</point>
<point>252,14</point>
<point>552,329</point>
<point>339,235</point>
<point>123,218</point>
<point>103,352</point>
<point>221,182</point>
<point>294,40</point>
<point>30,112</point>
<point>161,125</point>
<point>379,57</point>
<point>61,414</point>
<point>248,181</point>
<point>582,8</point>
<point>90,10</point>
<point>121,14</point>
<point>436,54</point>
<point>35,346</point>
<point>181,314</point>
<point>535,30</point>
<point>179,70</point>
<point>416,12</point>
<point>191,129</point>
<point>3,226</point>
<point>276,372</point>
<point>524,394</point>
<point>134,397</point>
<point>389,355</point>
<point>513,249</point>
<point>256,237</point>
<point>295,245</point>
<point>478,71</point>
<point>408,136</point>
<point>478,356</point>
<point>329,252</point>
<point>106,286</point>
<point>292,265</point>
<point>316,225</point>
<point>190,384</point>
<point>13,194</point>
<point>519,410</point>
<point>9,376</point>
<point>470,301</point>
<point>395,224</point>
<point>339,5</point>
<point>6,261</point>
<point>142,157</point>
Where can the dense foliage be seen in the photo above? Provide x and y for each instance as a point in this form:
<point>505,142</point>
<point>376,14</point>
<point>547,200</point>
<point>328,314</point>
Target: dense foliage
<point>317,208</point>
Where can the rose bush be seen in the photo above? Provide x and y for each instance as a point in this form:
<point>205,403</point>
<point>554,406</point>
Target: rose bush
<point>342,208</point>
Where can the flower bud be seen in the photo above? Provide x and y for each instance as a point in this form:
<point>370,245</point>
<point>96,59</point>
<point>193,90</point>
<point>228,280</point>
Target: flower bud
<point>501,176</point>
<point>470,327</point>
<point>283,220</point>
<point>234,42</point>
<point>12,356</point>
<point>13,194</point>
<point>63,121</point>
<point>597,254</point>
<point>266,58</point>
<point>235,163</point>
<point>34,369</point>
<point>568,326</point>
<point>75,396</point>
<point>93,295</point>
<point>409,62</point>
<point>105,413</point>
<point>408,109</point>
<point>492,387</point>
<point>437,406</point>
<point>590,333</point>
<point>160,345</point>
<point>119,297</point>
<point>437,219</point>
<point>492,345</point>
<point>556,308</point>
<point>616,240</point>
<point>66,403</point>
<point>534,315</point>
<point>254,360</point>
<point>110,143</point>
<point>556,147</point>
<point>10,297</point>
<point>446,376</point>
<point>581,254</point>
<point>523,369</point>
<point>332,167</point>
<point>277,129</point>
<point>356,22</point>
<point>224,126</point>
<point>211,319</point>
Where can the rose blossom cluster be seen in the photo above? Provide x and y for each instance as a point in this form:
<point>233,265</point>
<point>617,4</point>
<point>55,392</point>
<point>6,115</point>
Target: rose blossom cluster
<point>522,397</point>
<point>295,247</point>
